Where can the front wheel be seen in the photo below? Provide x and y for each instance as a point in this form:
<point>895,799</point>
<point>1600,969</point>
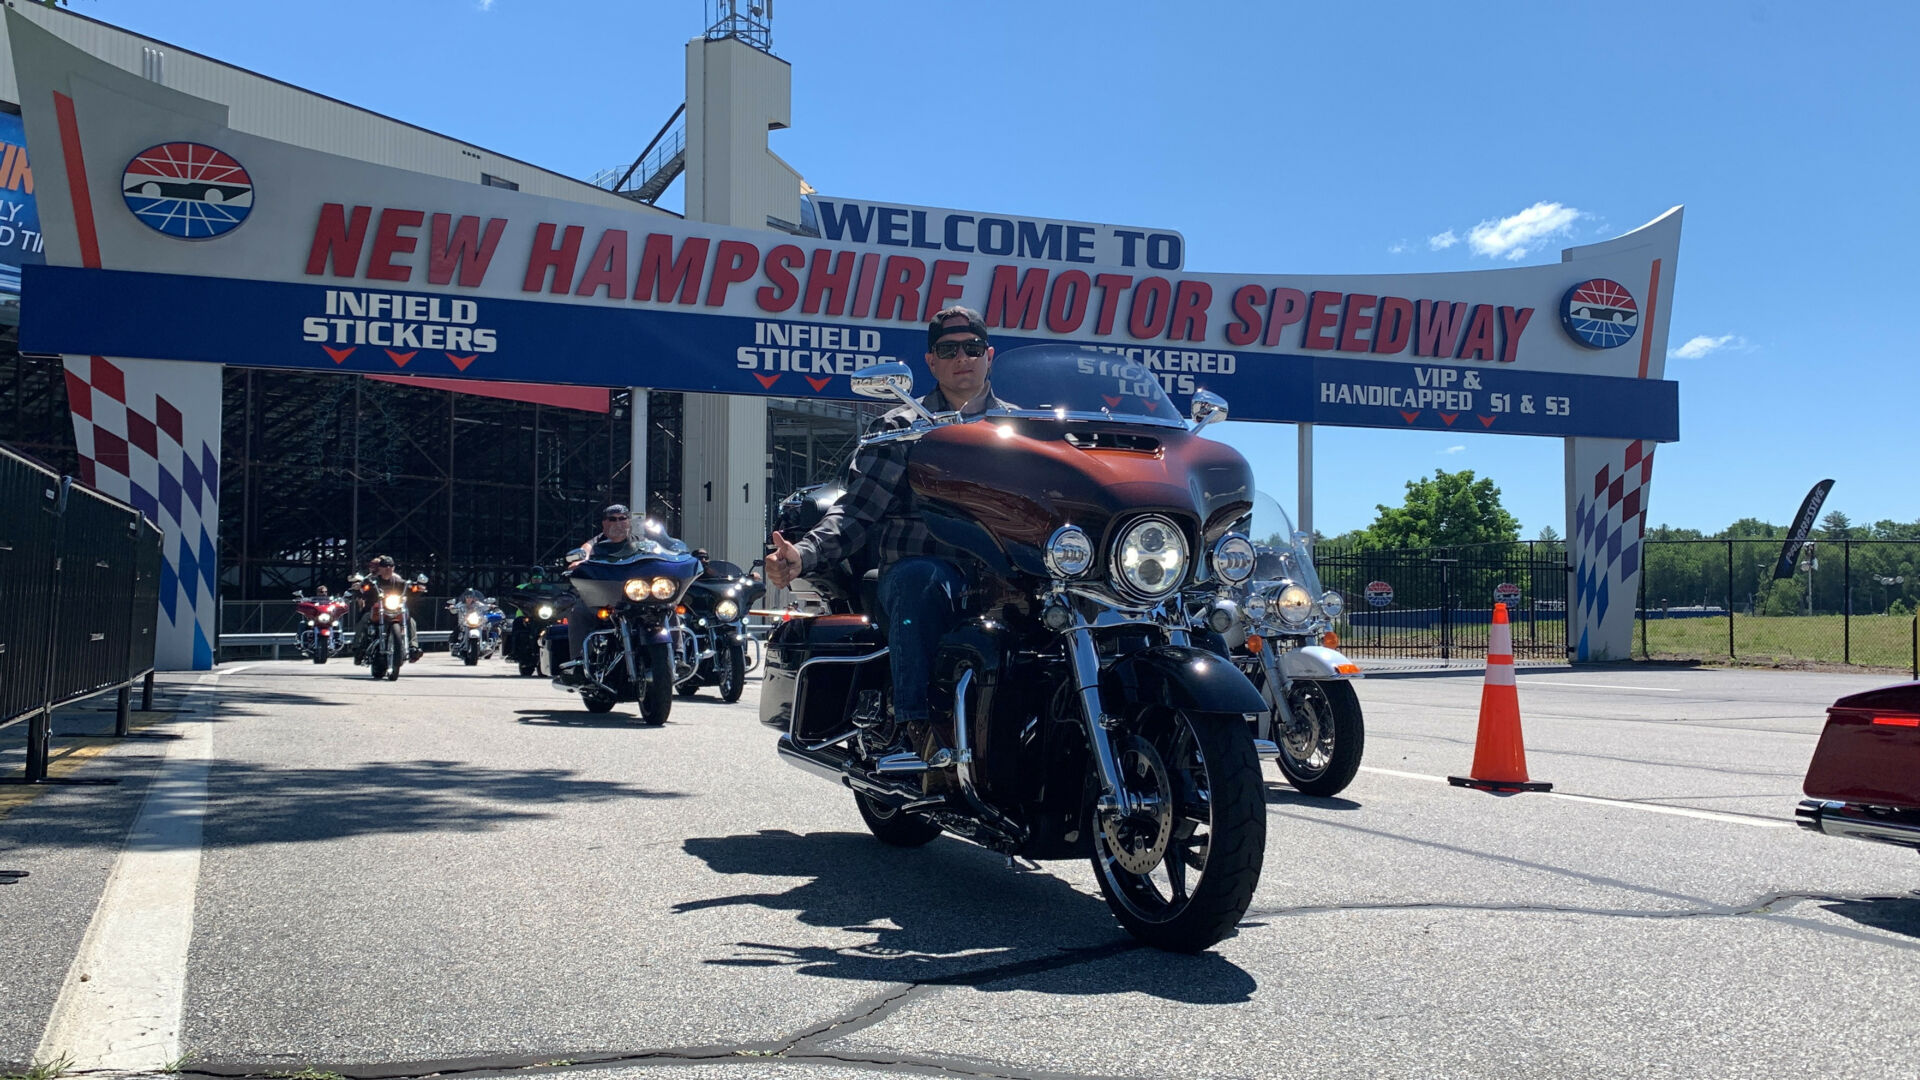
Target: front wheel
<point>1321,742</point>
<point>473,656</point>
<point>1180,868</point>
<point>396,651</point>
<point>658,701</point>
<point>733,671</point>
<point>529,666</point>
<point>895,827</point>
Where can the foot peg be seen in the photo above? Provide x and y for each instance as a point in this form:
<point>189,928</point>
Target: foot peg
<point>900,764</point>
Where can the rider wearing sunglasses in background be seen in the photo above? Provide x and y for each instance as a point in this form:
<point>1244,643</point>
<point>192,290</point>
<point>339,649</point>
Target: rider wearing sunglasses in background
<point>616,541</point>
<point>921,585</point>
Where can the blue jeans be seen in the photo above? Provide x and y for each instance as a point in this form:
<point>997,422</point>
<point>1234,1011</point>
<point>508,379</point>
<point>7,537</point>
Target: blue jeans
<point>920,597</point>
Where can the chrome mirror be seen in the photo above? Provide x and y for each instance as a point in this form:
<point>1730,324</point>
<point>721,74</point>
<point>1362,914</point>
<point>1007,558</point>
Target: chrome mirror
<point>884,381</point>
<point>1207,407</point>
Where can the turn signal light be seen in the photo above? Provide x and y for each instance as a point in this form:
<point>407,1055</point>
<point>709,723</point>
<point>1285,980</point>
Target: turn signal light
<point>1347,669</point>
<point>605,613</point>
<point>1330,639</point>
<point>679,609</point>
<point>1255,643</point>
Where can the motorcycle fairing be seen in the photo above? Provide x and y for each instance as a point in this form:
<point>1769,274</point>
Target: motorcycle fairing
<point>1180,677</point>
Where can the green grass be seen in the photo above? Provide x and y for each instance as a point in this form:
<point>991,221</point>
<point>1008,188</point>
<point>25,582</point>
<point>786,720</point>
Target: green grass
<point>1883,641</point>
<point>42,1070</point>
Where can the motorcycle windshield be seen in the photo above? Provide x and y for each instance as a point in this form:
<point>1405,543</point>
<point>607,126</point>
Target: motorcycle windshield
<point>1069,382</point>
<point>1279,551</point>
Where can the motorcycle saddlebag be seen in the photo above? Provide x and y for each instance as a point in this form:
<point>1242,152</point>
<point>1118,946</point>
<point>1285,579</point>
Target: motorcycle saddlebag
<point>1869,751</point>
<point>831,685</point>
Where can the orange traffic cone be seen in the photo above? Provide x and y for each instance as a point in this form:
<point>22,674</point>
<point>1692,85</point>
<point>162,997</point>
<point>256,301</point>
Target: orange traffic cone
<point>1499,756</point>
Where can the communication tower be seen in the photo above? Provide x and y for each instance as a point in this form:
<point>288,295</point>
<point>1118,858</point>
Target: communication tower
<point>750,21</point>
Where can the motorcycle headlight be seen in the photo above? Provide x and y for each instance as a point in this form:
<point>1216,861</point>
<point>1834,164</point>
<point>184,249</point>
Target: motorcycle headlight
<point>664,588</point>
<point>1151,558</point>
<point>325,618</point>
<point>726,610</point>
<point>1332,603</point>
<point>1233,559</point>
<point>1069,552</point>
<point>473,618</point>
<point>1292,607</point>
<point>1256,607</point>
<point>392,602</point>
<point>636,589</point>
<point>546,611</point>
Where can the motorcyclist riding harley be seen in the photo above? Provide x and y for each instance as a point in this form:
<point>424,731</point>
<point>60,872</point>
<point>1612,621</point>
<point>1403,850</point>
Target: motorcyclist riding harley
<point>382,578</point>
<point>921,587</point>
<point>616,541</point>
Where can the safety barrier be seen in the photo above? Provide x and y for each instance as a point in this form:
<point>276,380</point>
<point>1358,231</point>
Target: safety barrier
<point>79,596</point>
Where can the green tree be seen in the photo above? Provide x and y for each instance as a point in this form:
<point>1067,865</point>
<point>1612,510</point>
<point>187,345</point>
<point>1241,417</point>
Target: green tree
<point>1442,511</point>
<point>1548,534</point>
<point>1838,525</point>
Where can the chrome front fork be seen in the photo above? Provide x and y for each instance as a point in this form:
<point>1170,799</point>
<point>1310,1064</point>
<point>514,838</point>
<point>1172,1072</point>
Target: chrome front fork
<point>1099,725</point>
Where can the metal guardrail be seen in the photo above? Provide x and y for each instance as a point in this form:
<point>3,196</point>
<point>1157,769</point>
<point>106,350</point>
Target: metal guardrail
<point>79,599</point>
<point>290,640</point>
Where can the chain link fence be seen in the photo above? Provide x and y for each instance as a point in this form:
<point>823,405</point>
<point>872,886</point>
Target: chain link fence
<point>1847,602</point>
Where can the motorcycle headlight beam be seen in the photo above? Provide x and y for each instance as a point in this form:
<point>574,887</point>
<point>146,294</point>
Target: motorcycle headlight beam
<point>636,589</point>
<point>546,611</point>
<point>473,618</point>
<point>1150,558</point>
<point>325,618</point>
<point>392,602</point>
<point>664,588</point>
<point>1232,559</point>
<point>726,610</point>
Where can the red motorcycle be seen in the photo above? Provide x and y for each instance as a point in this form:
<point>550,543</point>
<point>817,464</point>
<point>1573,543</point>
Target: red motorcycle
<point>324,633</point>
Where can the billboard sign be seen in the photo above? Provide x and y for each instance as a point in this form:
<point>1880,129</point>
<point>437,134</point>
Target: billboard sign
<point>20,242</point>
<point>338,264</point>
<point>973,232</point>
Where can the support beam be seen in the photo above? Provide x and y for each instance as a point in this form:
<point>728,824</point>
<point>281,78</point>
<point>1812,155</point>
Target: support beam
<point>640,500</point>
<point>1305,505</point>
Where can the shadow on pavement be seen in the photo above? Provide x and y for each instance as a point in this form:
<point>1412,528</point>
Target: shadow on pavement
<point>249,804</point>
<point>947,914</point>
<point>624,715</point>
<point>1895,914</point>
<point>1283,795</point>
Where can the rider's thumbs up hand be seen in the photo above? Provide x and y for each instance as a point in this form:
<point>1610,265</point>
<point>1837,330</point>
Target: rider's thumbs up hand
<point>783,563</point>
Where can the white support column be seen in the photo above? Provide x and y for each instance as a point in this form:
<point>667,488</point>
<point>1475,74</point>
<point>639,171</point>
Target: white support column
<point>1305,505</point>
<point>638,498</point>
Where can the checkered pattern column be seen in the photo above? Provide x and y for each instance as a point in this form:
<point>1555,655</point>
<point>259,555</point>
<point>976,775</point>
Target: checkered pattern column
<point>1610,520</point>
<point>148,432</point>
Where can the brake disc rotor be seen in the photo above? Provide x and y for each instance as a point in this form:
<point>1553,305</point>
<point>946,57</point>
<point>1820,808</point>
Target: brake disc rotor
<point>1138,839</point>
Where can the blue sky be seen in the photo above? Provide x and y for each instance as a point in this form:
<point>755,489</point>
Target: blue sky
<point>1302,139</point>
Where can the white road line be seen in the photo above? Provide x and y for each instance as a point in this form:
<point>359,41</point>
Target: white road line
<point>1605,686</point>
<point>121,1005</point>
<point>1651,808</point>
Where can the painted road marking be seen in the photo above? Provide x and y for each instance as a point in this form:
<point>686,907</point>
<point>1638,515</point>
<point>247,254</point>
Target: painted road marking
<point>121,1005</point>
<point>1651,808</point>
<point>1605,686</point>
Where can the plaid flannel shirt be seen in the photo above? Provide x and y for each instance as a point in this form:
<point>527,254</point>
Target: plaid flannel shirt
<point>878,508</point>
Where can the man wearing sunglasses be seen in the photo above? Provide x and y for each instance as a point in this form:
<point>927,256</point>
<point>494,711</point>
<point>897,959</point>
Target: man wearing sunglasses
<point>615,541</point>
<point>921,585</point>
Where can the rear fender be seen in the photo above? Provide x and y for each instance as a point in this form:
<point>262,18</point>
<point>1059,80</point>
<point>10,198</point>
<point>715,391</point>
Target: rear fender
<point>1180,677</point>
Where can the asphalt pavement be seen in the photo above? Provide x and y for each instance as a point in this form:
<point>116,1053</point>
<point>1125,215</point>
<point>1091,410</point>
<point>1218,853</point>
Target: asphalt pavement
<point>464,872</point>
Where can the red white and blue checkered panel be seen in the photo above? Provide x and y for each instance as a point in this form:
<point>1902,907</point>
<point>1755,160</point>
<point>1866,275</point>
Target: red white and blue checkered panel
<point>148,432</point>
<point>1610,520</point>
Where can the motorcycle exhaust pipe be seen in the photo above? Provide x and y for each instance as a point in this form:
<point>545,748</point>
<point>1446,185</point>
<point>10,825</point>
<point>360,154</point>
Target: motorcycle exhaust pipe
<point>834,764</point>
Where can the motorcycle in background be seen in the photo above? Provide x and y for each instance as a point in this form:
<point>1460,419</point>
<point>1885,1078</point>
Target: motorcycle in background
<point>476,630</point>
<point>628,654</point>
<point>1072,716</point>
<point>538,604</point>
<point>322,635</point>
<point>387,626</point>
<point>1282,640</point>
<point>710,635</point>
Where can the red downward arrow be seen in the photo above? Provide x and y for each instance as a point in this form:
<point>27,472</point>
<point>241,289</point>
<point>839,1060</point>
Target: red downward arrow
<point>1112,402</point>
<point>461,362</point>
<point>1409,417</point>
<point>1152,406</point>
<point>338,354</point>
<point>400,358</point>
<point>820,383</point>
<point>1486,421</point>
<point>767,381</point>
<point>1448,418</point>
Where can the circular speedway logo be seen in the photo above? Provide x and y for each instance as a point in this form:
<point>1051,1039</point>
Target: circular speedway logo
<point>1599,313</point>
<point>187,190</point>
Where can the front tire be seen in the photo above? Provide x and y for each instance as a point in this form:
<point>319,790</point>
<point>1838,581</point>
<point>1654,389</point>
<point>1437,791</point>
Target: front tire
<point>1211,838</point>
<point>530,667</point>
<point>396,651</point>
<point>1320,750</point>
<point>658,702</point>
<point>895,827</point>
<point>472,658</point>
<point>733,672</point>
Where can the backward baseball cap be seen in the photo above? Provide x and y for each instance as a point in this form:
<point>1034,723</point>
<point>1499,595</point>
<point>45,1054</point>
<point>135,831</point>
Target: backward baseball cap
<point>937,326</point>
